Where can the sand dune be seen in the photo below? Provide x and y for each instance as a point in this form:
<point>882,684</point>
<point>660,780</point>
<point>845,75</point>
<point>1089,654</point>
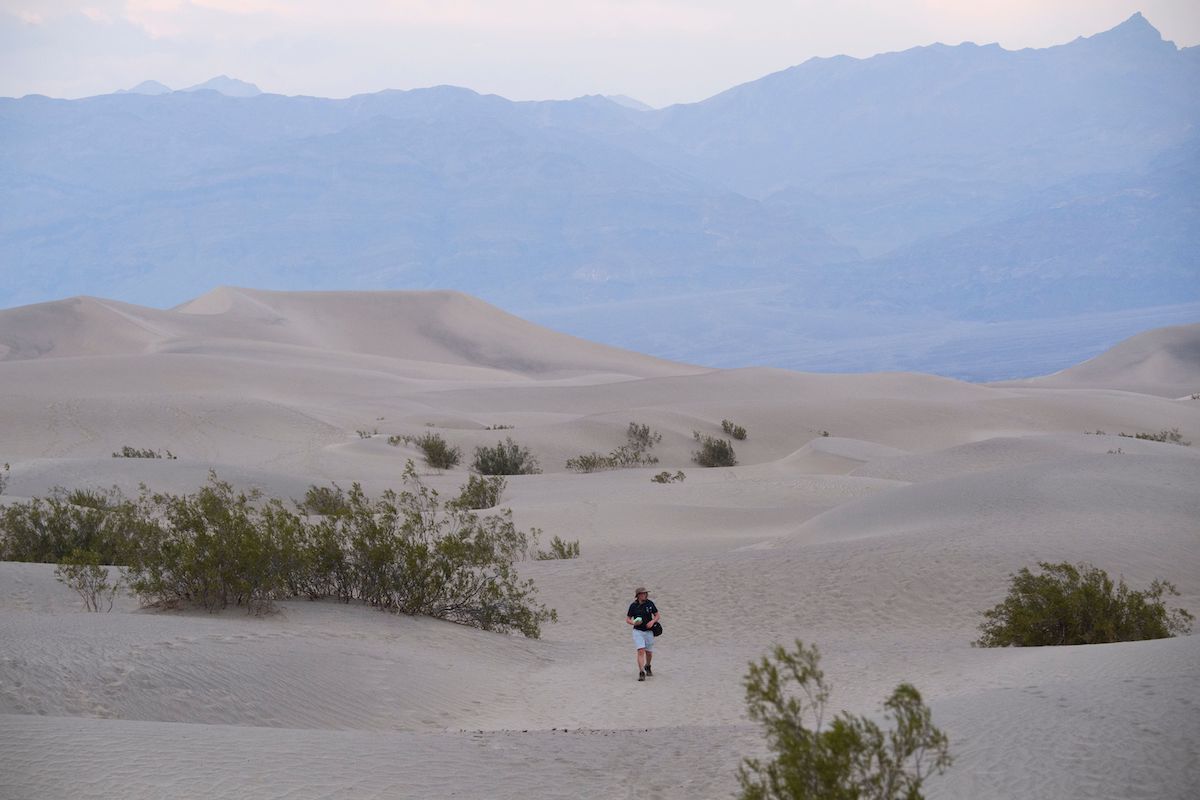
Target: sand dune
<point>881,542</point>
<point>1165,362</point>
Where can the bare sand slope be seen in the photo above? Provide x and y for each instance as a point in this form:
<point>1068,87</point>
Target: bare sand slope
<point>1164,362</point>
<point>881,542</point>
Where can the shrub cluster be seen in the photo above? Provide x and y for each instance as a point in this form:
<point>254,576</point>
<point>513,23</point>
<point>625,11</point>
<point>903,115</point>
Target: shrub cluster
<point>480,492</point>
<point>1079,604</point>
<point>667,477</point>
<point>1172,436</point>
<point>47,530</point>
<point>506,458</point>
<point>324,501</point>
<point>134,452</point>
<point>639,440</point>
<point>4,477</point>
<point>438,454</point>
<point>736,431</point>
<point>848,759</point>
<point>713,452</point>
<point>218,547</point>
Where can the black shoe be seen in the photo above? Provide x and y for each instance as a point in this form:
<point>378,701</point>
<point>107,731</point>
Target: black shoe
<point>641,676</point>
<point>649,672</point>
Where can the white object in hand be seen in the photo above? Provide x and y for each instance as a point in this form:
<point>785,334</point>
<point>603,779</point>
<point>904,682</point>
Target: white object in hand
<point>637,620</point>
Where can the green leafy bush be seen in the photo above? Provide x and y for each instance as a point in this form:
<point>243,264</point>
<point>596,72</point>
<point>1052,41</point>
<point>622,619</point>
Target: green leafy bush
<point>325,501</point>
<point>848,759</point>
<point>506,458</point>
<point>134,452</point>
<point>736,431</point>
<point>46,530</point>
<point>81,570</point>
<point>667,477</point>
<point>480,492</point>
<point>1079,604</point>
<point>559,549</point>
<point>213,548</point>
<point>406,552</point>
<point>438,454</point>
<point>713,452</point>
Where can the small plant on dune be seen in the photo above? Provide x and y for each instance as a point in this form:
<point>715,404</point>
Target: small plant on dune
<point>1079,604</point>
<point>558,549</point>
<point>81,570</point>
<point>667,477</point>
<point>1172,436</point>
<point>323,501</point>
<point>505,458</point>
<point>134,452</point>
<point>639,440</point>
<point>731,429</point>
<point>3,478</point>
<point>397,440</point>
<point>713,452</point>
<point>849,758</point>
<point>499,428</point>
<point>362,434</point>
<point>480,492</point>
<point>825,434</point>
<point>438,454</point>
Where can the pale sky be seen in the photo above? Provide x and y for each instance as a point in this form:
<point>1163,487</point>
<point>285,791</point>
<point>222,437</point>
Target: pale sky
<point>659,51</point>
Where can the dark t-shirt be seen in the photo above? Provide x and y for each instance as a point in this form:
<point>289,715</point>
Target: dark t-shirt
<point>646,611</point>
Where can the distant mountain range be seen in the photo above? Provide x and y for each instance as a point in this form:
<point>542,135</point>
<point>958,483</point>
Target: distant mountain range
<point>963,185</point>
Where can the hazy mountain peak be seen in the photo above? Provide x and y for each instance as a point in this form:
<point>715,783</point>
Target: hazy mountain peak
<point>223,84</point>
<point>147,87</point>
<point>1133,32</point>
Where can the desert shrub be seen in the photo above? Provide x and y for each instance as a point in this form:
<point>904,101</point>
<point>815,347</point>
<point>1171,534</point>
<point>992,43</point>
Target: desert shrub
<point>414,554</point>
<point>134,452</point>
<point>713,452</point>
<point>850,758</point>
<point>667,477</point>
<point>736,431</point>
<point>4,477</point>
<point>213,548</point>
<point>589,462</point>
<point>559,549</point>
<point>364,434</point>
<point>639,440</point>
<point>480,492</point>
<point>218,547</point>
<point>438,454</point>
<point>47,529</point>
<point>1079,604</point>
<point>81,570</point>
<point>506,458</point>
<point>499,428</point>
<point>397,439</point>
<point>1172,436</point>
<point>325,501</point>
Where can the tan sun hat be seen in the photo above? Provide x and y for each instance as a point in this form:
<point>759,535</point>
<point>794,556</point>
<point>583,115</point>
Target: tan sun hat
<point>640,590</point>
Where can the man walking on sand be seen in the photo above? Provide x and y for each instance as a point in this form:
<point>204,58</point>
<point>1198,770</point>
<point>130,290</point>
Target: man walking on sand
<point>642,616</point>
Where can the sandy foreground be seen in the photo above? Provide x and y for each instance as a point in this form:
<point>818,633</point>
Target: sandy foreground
<point>881,543</point>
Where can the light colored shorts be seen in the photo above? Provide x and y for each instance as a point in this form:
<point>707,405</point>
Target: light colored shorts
<point>643,639</point>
